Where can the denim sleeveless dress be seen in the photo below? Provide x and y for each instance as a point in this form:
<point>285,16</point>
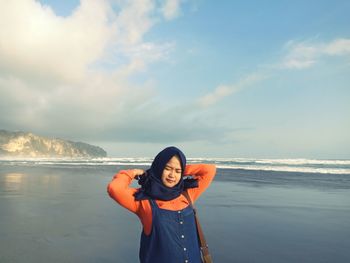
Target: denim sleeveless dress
<point>173,238</point>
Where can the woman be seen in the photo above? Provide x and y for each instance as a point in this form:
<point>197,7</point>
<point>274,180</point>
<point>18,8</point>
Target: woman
<point>169,230</point>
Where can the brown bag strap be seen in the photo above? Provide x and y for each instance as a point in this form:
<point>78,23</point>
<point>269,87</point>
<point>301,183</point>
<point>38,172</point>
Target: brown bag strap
<point>203,242</point>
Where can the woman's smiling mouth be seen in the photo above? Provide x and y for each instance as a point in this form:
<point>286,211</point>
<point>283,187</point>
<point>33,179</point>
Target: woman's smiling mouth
<point>170,180</point>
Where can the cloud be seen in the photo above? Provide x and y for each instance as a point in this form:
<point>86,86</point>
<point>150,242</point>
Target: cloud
<point>134,20</point>
<point>37,42</point>
<point>71,76</point>
<point>338,47</point>
<point>298,63</point>
<point>148,51</point>
<point>155,122</point>
<point>171,9</point>
<point>223,91</point>
<point>301,55</point>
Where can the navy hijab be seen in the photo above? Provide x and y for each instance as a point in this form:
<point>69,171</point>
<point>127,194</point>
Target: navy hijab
<point>151,183</point>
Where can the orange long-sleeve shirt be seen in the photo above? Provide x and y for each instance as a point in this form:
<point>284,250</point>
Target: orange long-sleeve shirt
<point>119,189</point>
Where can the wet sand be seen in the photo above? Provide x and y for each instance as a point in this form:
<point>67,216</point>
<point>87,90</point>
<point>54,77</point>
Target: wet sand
<point>63,214</point>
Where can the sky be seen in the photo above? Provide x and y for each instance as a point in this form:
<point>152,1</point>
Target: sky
<point>254,79</point>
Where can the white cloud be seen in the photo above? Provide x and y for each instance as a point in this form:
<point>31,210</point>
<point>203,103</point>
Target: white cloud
<point>134,20</point>
<point>299,55</point>
<point>218,93</point>
<point>306,54</point>
<point>148,51</point>
<point>171,9</point>
<point>223,91</point>
<point>338,47</point>
<point>36,41</point>
<point>71,75</point>
<point>299,63</point>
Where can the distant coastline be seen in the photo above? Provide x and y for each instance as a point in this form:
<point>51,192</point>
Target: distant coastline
<point>26,144</point>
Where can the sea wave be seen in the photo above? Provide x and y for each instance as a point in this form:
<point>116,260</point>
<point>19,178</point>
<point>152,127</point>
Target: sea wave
<point>274,161</point>
<point>282,165</point>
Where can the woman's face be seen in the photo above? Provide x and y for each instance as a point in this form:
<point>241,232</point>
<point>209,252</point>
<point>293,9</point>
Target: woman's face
<point>172,172</point>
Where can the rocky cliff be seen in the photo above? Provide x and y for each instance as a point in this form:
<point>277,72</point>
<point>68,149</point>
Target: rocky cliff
<point>30,145</point>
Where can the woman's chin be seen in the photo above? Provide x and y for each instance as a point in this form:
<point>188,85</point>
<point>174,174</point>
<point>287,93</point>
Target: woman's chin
<point>169,184</point>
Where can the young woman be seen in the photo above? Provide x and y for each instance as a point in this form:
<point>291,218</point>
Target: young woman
<point>169,230</point>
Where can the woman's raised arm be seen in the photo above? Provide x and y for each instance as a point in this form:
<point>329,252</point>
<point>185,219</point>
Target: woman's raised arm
<point>205,174</point>
<point>119,189</point>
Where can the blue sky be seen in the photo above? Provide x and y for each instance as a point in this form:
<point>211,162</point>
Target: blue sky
<point>265,79</point>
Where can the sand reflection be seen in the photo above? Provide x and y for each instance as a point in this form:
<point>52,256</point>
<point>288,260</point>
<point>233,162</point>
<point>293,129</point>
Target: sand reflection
<point>49,180</point>
<point>12,183</point>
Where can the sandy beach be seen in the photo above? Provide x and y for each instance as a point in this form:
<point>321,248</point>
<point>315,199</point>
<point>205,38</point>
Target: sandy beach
<point>63,214</point>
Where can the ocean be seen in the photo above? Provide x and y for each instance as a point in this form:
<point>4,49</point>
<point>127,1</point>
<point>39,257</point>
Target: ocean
<point>256,210</point>
<point>279,165</point>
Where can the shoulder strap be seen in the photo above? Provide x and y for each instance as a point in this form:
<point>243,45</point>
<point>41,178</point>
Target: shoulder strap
<point>152,202</point>
<point>203,242</point>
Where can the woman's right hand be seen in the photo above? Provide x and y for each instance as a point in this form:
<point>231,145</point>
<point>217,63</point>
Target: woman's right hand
<point>138,172</point>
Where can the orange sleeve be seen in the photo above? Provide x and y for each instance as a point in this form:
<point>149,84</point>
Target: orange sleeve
<point>205,174</point>
<point>119,190</point>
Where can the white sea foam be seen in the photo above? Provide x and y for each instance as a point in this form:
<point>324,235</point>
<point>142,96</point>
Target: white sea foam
<point>274,161</point>
<point>287,169</point>
<point>282,165</point>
